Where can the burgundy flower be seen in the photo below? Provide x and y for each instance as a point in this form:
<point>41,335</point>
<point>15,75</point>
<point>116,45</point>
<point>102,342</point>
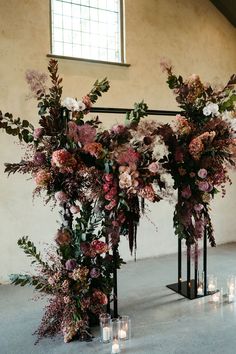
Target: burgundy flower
<point>99,296</point>
<point>186,192</point>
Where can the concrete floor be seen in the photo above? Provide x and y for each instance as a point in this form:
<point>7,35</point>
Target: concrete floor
<point>163,322</point>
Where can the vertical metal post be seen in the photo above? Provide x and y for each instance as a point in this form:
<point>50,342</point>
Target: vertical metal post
<point>196,273</point>
<point>179,264</point>
<point>115,298</point>
<point>205,261</point>
<point>108,275</point>
<point>188,270</point>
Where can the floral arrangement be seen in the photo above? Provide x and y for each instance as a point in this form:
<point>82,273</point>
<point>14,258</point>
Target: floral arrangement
<point>100,179</point>
<point>201,146</point>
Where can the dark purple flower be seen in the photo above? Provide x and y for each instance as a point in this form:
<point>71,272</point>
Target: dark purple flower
<point>95,273</point>
<point>71,264</point>
<point>39,158</point>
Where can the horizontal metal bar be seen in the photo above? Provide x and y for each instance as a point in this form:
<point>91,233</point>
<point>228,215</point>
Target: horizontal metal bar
<point>151,112</point>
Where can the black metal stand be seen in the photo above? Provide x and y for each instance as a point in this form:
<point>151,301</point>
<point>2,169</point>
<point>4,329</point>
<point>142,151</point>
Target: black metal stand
<point>189,288</point>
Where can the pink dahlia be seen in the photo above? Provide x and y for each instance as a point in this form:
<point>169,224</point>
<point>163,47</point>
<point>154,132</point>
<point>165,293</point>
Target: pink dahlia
<point>130,156</point>
<point>64,160</point>
<point>86,133</point>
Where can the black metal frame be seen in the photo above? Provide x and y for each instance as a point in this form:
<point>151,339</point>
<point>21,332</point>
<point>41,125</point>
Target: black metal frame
<point>124,111</point>
<point>189,287</point>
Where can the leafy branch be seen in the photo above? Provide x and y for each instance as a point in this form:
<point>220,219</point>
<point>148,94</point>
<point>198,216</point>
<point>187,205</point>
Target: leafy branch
<point>99,87</point>
<point>30,250</point>
<point>25,279</point>
<point>17,127</point>
<point>139,111</point>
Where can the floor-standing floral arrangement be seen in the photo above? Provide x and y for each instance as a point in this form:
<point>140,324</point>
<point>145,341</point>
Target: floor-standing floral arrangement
<point>201,145</point>
<point>100,179</point>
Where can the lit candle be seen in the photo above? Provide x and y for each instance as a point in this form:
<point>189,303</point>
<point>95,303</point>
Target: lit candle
<point>115,348</point>
<point>211,287</point>
<point>122,334</point>
<point>231,289</point>
<point>106,334</point>
<point>200,290</point>
<point>231,297</point>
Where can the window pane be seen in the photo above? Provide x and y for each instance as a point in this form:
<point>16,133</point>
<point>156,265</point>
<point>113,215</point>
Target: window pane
<point>87,29</point>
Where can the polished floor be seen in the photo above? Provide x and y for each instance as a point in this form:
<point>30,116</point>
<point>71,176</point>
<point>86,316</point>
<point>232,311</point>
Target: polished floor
<point>163,322</point>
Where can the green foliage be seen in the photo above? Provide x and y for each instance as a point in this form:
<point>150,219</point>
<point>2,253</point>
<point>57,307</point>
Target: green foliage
<point>139,111</point>
<point>99,87</point>
<point>30,250</point>
<point>25,279</point>
<point>228,105</point>
<point>15,127</point>
<point>174,81</point>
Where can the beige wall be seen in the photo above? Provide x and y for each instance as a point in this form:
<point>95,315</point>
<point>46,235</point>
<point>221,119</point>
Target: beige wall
<point>192,33</point>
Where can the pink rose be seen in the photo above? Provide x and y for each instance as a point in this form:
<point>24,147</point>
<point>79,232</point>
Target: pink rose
<point>198,207</point>
<point>203,186</point>
<point>61,197</point>
<point>186,192</point>
<point>99,296</point>
<point>99,246</point>
<point>74,209</point>
<point>202,173</point>
<point>153,167</point>
<point>118,129</point>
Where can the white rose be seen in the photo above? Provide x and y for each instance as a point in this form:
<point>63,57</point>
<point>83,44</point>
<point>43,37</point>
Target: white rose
<point>211,108</point>
<point>81,106</point>
<point>71,104</point>
<point>206,111</point>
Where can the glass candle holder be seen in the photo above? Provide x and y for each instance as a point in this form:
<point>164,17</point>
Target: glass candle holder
<point>105,328</point>
<point>200,285</point>
<point>125,328</point>
<point>216,297</point>
<point>231,286</point>
<point>115,344</point>
<point>211,283</point>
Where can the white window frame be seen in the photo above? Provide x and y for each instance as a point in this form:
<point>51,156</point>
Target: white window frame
<point>121,41</point>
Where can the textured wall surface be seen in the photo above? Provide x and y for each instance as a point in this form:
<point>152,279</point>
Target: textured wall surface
<point>193,34</point>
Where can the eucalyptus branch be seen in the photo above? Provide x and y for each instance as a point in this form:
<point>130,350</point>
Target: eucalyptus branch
<point>99,87</point>
<point>139,111</point>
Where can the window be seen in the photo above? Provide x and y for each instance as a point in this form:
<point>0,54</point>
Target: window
<point>88,29</point>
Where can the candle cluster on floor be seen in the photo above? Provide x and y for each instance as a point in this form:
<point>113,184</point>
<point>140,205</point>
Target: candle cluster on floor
<point>114,331</point>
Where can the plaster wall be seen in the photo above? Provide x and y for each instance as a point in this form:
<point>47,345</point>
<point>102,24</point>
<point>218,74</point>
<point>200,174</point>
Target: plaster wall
<point>193,34</point>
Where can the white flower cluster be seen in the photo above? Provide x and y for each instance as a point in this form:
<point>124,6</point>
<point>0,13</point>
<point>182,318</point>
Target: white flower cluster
<point>73,105</point>
<point>211,108</point>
